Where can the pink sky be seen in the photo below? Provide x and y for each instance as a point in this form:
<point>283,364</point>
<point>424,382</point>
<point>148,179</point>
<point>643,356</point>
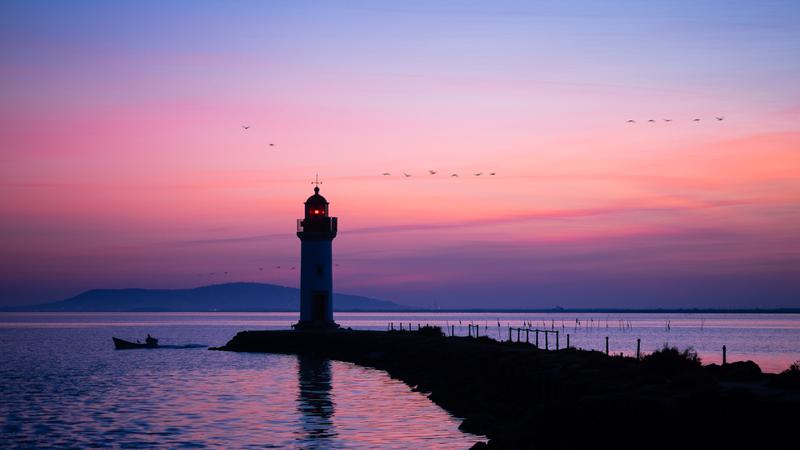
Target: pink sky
<point>123,162</point>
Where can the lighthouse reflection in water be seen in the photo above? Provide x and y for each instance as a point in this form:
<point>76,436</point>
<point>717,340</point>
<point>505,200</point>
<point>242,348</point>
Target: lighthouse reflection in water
<point>314,399</point>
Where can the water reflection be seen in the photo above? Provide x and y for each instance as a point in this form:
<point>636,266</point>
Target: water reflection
<point>314,399</point>
<point>66,387</point>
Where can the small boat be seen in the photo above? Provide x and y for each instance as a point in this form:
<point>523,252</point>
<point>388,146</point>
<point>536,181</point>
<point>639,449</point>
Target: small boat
<point>121,344</point>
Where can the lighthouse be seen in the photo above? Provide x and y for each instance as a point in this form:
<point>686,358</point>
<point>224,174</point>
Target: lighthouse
<point>316,231</point>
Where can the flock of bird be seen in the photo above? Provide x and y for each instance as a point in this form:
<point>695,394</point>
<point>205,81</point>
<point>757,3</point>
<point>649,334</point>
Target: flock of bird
<point>247,127</point>
<point>478,174</point>
<point>434,172</point>
<point>406,175</point>
<point>455,175</point>
<point>260,269</point>
<point>696,119</point>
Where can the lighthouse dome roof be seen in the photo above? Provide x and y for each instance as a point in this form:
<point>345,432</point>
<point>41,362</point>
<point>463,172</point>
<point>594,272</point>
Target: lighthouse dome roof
<point>316,199</point>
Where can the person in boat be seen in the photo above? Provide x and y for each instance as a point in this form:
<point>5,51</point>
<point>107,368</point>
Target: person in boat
<point>151,340</point>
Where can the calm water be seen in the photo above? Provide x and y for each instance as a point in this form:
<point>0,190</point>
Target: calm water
<point>62,384</point>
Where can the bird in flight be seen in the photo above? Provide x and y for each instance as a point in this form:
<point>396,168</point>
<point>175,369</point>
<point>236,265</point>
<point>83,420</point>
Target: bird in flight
<point>667,120</point>
<point>432,172</point>
<point>272,145</point>
<point>386,174</point>
<point>406,175</point>
<point>651,121</point>
<point>696,120</point>
<point>493,173</point>
<point>720,118</point>
<point>260,268</point>
<point>478,174</point>
<point>293,268</point>
<point>630,121</point>
<point>277,267</point>
<point>246,127</point>
<point>454,175</point>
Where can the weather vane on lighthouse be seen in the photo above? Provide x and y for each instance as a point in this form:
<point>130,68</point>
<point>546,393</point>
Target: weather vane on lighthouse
<point>316,231</point>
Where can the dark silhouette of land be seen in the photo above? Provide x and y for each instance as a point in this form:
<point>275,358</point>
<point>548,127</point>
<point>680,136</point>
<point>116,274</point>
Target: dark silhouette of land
<point>523,397</point>
<point>219,297</point>
<point>264,297</point>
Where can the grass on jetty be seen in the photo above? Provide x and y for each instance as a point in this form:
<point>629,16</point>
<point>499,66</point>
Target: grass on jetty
<point>789,378</point>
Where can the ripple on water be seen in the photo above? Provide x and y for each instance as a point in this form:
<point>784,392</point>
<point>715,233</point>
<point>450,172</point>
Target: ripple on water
<point>69,389</point>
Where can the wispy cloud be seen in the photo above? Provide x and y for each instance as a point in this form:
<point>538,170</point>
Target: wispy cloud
<point>639,207</point>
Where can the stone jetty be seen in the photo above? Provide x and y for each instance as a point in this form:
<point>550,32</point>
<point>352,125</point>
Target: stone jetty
<point>520,396</point>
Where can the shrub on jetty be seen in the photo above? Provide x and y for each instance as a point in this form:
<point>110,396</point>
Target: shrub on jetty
<point>789,378</point>
<point>431,330</point>
<point>671,361</point>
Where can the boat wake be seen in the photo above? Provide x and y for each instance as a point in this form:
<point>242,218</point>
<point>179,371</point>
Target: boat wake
<point>184,346</point>
<point>121,344</point>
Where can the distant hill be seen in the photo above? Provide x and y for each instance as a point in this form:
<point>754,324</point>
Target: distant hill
<point>217,297</point>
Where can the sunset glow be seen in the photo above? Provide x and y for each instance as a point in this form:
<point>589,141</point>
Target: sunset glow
<point>124,161</point>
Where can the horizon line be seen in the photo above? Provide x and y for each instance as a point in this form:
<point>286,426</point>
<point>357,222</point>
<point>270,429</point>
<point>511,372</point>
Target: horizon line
<point>460,310</point>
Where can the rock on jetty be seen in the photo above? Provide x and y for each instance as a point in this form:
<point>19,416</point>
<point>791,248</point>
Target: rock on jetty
<point>519,396</point>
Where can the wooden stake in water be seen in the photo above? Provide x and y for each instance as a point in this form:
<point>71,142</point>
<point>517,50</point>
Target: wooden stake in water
<point>638,347</point>
<point>606,345</point>
<point>724,355</point>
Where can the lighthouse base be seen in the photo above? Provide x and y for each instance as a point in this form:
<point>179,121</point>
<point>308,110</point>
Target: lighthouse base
<point>315,325</point>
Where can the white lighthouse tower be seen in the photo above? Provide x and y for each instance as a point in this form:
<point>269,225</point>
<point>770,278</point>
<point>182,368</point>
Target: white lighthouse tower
<point>316,232</point>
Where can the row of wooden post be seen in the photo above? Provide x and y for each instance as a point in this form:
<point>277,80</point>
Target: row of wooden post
<point>477,328</point>
<point>400,324</point>
<point>536,336</point>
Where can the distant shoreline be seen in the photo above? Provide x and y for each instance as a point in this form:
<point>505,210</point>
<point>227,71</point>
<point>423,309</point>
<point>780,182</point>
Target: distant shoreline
<point>248,297</point>
<point>446,311</point>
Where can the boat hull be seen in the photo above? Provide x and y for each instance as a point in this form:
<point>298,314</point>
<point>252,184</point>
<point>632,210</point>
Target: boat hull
<point>121,344</point>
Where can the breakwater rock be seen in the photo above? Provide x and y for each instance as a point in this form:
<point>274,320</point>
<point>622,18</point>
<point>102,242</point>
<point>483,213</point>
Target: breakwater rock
<point>523,397</point>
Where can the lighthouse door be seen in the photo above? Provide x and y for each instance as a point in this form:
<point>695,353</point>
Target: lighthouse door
<point>319,306</point>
